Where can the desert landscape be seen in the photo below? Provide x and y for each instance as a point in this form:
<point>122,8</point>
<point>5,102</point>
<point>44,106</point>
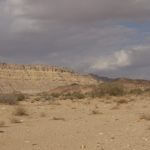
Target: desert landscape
<point>74,74</point>
<point>49,108</point>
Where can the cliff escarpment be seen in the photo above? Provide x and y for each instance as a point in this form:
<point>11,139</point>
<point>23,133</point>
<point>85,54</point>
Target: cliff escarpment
<point>38,78</point>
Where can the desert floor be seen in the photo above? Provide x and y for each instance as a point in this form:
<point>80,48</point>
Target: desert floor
<point>97,124</point>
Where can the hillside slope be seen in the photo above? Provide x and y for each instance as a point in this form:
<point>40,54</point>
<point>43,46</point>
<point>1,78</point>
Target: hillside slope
<point>38,78</point>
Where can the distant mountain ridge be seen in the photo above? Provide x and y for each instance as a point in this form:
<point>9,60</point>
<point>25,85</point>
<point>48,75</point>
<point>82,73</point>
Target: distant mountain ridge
<point>127,82</point>
<point>101,78</point>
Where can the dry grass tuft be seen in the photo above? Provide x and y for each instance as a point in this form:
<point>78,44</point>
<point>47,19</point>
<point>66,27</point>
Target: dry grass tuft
<point>145,116</point>
<point>20,111</point>
<point>96,112</point>
<point>59,118</point>
<point>54,103</point>
<point>117,106</point>
<point>15,120</point>
<point>2,123</point>
<point>121,101</point>
<point>43,114</point>
<point>108,89</point>
<point>11,98</point>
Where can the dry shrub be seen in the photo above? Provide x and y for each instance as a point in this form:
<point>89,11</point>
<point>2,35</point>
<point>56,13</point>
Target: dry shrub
<point>2,123</point>
<point>37,99</point>
<point>11,98</point>
<point>117,106</point>
<point>55,95</point>
<point>108,89</point>
<point>47,96</point>
<point>56,103</point>
<point>121,101</point>
<point>145,116</point>
<point>74,95</point>
<point>58,118</point>
<point>42,114</point>
<point>15,120</point>
<point>136,91</point>
<point>147,90</point>
<point>96,112</point>
<point>20,111</point>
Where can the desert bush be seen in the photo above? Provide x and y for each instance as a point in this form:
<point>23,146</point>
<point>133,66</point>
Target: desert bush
<point>145,116</point>
<point>20,96</point>
<point>42,114</point>
<point>20,111</point>
<point>37,99</point>
<point>136,91</point>
<point>15,120</point>
<point>74,95</point>
<point>147,90</point>
<point>96,112</point>
<point>55,95</point>
<point>44,96</point>
<point>59,118</point>
<point>2,123</point>
<point>111,89</point>
<point>11,98</point>
<point>121,101</point>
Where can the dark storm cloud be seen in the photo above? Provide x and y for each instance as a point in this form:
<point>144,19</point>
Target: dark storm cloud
<point>81,10</point>
<point>83,34</point>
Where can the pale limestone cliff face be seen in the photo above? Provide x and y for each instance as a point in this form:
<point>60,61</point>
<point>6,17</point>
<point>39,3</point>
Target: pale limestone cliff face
<point>37,78</point>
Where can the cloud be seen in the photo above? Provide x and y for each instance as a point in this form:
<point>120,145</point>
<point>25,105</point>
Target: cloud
<point>117,60</point>
<point>135,57</point>
<point>80,11</point>
<point>132,62</point>
<point>27,14</point>
<point>87,35</point>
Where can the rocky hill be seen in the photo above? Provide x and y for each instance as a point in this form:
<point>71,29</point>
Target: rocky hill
<point>126,82</point>
<point>38,78</point>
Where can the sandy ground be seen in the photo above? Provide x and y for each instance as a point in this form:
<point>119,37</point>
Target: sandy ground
<point>76,125</point>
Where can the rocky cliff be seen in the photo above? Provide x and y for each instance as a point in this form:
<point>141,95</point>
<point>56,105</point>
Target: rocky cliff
<point>37,78</point>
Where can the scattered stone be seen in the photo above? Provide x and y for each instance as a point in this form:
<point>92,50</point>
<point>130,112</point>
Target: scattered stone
<point>83,147</point>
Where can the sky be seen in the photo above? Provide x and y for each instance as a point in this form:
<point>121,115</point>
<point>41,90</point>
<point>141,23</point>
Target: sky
<point>106,37</point>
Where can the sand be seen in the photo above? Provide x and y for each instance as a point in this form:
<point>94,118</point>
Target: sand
<point>76,125</point>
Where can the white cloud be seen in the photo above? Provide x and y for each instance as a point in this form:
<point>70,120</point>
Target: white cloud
<point>113,62</point>
<point>134,57</point>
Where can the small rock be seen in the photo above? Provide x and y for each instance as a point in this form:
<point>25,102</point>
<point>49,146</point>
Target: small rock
<point>2,131</point>
<point>83,147</point>
<point>27,141</point>
<point>101,133</point>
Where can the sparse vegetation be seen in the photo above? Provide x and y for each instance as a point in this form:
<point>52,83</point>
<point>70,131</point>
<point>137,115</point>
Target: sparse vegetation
<point>55,95</point>
<point>117,106</point>
<point>58,118</point>
<point>136,91</point>
<point>11,98</point>
<point>37,99</point>
<point>96,112</point>
<point>42,114</point>
<point>74,95</point>
<point>15,120</point>
<point>108,89</point>
<point>2,123</point>
<point>121,101</point>
<point>46,96</point>
<point>20,111</point>
<point>145,116</point>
